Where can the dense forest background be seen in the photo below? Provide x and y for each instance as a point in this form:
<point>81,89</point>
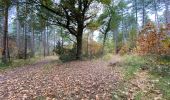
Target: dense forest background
<point>76,29</point>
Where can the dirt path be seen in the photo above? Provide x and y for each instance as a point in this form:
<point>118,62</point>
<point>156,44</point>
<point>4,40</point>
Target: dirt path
<point>11,73</point>
<point>77,80</point>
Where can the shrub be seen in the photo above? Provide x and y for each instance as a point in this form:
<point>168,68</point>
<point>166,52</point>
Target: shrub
<point>124,49</point>
<point>68,55</point>
<point>150,41</point>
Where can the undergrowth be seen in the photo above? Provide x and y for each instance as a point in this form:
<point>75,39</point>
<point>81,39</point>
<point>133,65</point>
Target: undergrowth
<point>158,68</point>
<point>18,63</point>
<point>132,64</point>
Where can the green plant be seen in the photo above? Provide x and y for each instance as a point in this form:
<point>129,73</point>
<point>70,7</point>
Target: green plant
<point>138,96</point>
<point>18,63</point>
<point>107,56</point>
<point>132,64</point>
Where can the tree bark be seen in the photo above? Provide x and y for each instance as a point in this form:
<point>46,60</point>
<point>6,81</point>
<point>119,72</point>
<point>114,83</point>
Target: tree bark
<point>104,42</point>
<point>136,12</point>
<point>47,46</point>
<point>25,45</point>
<point>44,43</point>
<point>54,41</point>
<point>156,14</point>
<point>88,44</point>
<point>62,39</point>
<point>143,13</point>
<point>167,14</point>
<point>5,52</point>
<point>136,15</point>
<point>18,30</point>
<point>79,46</point>
<point>123,29</point>
<point>116,40</point>
<point>105,34</point>
<point>32,43</point>
<point>25,32</point>
<point>167,3</point>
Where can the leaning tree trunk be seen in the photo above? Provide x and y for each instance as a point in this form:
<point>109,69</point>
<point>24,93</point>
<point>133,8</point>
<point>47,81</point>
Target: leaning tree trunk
<point>105,35</point>
<point>5,51</point>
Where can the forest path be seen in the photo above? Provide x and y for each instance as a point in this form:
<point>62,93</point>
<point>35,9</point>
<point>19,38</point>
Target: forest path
<point>10,73</point>
<point>46,80</point>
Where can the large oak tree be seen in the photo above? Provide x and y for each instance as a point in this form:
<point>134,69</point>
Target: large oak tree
<point>72,15</point>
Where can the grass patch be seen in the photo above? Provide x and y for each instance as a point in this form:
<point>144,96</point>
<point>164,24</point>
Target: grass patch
<point>18,63</point>
<point>164,86</point>
<point>3,66</point>
<point>139,95</point>
<point>107,56</point>
<point>161,71</point>
<point>157,66</point>
<point>131,64</point>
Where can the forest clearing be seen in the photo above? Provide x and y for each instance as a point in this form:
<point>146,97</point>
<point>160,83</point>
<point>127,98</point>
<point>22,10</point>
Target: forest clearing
<point>84,49</point>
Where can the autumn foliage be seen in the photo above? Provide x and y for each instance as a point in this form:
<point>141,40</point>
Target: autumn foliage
<point>91,48</point>
<point>152,41</point>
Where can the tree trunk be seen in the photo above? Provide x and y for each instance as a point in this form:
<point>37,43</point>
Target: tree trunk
<point>54,50</point>
<point>5,51</point>
<point>167,15</point>
<point>25,33</point>
<point>116,40</point>
<point>48,50</point>
<point>79,46</point>
<point>136,15</point>
<point>54,41</point>
<point>104,42</point>
<point>18,30</point>
<point>25,45</point>
<point>156,14</point>
<point>44,43</point>
<point>8,55</point>
<point>79,38</point>
<point>105,33</point>
<point>136,12</point>
<point>88,44</point>
<point>32,43</point>
<point>41,42</point>
<point>143,13</point>
<point>62,39</point>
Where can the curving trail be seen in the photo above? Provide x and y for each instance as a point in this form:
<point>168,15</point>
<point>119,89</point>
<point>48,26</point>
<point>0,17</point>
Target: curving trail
<point>46,80</point>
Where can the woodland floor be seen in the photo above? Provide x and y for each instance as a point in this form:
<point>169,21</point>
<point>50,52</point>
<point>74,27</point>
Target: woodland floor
<point>49,80</point>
